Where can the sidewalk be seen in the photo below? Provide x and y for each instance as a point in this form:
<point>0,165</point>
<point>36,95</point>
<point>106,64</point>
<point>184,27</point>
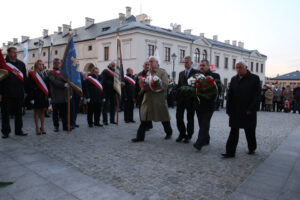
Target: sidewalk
<point>278,177</point>
<point>37,177</point>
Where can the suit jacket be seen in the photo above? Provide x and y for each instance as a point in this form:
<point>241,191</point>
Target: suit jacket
<point>128,90</point>
<point>92,92</point>
<point>277,94</point>
<point>59,93</point>
<point>182,81</point>
<point>108,83</point>
<point>243,96</point>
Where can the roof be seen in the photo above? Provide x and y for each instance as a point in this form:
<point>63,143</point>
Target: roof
<point>113,26</point>
<point>289,76</point>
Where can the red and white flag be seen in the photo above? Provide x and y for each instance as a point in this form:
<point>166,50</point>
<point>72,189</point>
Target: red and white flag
<point>39,81</point>
<point>10,67</point>
<point>95,82</point>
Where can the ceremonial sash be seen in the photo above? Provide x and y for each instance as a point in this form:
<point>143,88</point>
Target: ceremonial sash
<point>129,79</point>
<point>10,67</point>
<point>55,72</point>
<point>95,82</point>
<point>112,73</point>
<point>39,81</point>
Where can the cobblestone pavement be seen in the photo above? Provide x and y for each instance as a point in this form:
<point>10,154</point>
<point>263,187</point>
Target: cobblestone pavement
<point>159,169</point>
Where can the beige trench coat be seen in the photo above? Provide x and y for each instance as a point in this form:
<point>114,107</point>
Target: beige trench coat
<point>154,106</point>
<point>269,97</point>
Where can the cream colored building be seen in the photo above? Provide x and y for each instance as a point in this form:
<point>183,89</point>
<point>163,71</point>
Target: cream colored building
<point>95,45</point>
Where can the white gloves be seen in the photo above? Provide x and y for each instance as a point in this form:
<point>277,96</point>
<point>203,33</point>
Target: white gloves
<point>49,99</point>
<point>103,100</point>
<point>32,102</point>
<point>88,100</point>
<point>67,85</point>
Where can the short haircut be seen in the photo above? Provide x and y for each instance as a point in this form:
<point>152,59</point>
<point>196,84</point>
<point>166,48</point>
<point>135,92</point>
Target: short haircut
<point>153,58</point>
<point>127,70</point>
<point>206,61</point>
<point>188,57</point>
<point>94,68</point>
<point>11,48</point>
<point>56,59</point>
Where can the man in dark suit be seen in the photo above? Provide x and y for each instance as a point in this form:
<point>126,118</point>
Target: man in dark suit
<point>206,107</point>
<point>128,95</point>
<point>242,106</point>
<point>184,103</point>
<point>12,93</point>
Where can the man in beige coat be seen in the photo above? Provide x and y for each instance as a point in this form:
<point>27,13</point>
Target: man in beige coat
<point>154,106</point>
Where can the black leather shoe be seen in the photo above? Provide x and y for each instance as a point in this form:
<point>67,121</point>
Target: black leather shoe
<point>105,123</point>
<point>56,129</point>
<point>21,134</point>
<point>39,133</point>
<point>180,138</point>
<point>126,121</point>
<point>76,125</point>
<point>251,152</point>
<point>225,155</point>
<point>132,121</point>
<point>186,140</point>
<point>197,146</point>
<point>168,137</point>
<point>206,143</point>
<point>5,136</point>
<point>90,125</point>
<point>136,140</point>
<point>113,122</point>
<point>99,125</point>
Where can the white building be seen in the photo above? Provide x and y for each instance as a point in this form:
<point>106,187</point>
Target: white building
<point>96,45</point>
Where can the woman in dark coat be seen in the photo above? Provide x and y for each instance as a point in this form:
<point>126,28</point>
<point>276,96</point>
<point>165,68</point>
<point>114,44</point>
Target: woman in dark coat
<point>242,106</point>
<point>38,95</point>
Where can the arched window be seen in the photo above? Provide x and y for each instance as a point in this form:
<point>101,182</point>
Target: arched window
<point>204,55</point>
<point>197,55</point>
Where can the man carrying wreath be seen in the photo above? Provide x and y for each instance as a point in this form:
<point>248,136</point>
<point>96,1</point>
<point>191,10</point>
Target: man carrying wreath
<point>154,105</point>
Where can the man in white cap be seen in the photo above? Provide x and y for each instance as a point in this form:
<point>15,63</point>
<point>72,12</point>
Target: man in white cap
<point>242,106</point>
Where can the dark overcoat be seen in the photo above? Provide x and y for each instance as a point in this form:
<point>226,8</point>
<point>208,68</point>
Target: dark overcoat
<point>243,97</point>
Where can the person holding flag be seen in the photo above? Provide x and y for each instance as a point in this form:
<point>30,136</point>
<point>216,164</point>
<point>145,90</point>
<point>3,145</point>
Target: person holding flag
<point>94,97</point>
<point>12,92</point>
<point>128,95</point>
<point>38,95</point>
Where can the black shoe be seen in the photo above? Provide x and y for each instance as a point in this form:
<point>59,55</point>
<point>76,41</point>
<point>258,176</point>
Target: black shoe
<point>56,129</point>
<point>226,155</point>
<point>105,123</point>
<point>5,136</point>
<point>21,134</point>
<point>186,140</point>
<point>206,143</point>
<point>147,129</point>
<point>113,122</point>
<point>76,125</point>
<point>39,133</point>
<point>168,137</point>
<point>136,140</point>
<point>197,146</point>
<point>180,138</point>
<point>65,129</point>
<point>251,152</point>
<point>100,125</point>
<point>132,121</point>
<point>90,125</point>
<point>126,121</point>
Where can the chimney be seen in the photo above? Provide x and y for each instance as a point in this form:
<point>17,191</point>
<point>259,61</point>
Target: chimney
<point>59,30</point>
<point>201,34</point>
<point>128,11</point>
<point>227,41</point>
<point>89,22</point>
<point>234,42</point>
<point>122,18</point>
<point>241,44</point>
<point>24,38</point>
<point>66,29</point>
<point>74,32</point>
<point>177,28</point>
<point>45,33</point>
<point>9,43</point>
<point>215,37</point>
<point>15,40</point>
<point>55,32</point>
<point>147,20</point>
<point>188,31</point>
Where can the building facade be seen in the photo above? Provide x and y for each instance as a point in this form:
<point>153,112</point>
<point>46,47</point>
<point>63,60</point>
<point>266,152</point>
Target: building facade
<point>291,79</point>
<point>96,45</point>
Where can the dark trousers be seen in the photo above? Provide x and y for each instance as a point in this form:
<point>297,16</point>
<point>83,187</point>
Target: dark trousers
<point>74,109</point>
<point>234,138</point>
<point>94,110</point>
<point>60,112</point>
<point>110,106</point>
<point>204,125</point>
<point>278,106</point>
<point>296,105</point>
<point>190,119</point>
<point>145,124</point>
<point>128,111</point>
<point>263,105</point>
<point>11,106</point>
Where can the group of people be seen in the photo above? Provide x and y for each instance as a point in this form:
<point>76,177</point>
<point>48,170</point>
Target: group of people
<point>285,99</point>
<point>47,87</point>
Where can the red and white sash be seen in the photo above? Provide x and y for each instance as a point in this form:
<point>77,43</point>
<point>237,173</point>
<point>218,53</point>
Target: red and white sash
<point>129,79</point>
<point>55,72</point>
<point>13,69</point>
<point>39,81</point>
<point>112,73</point>
<point>95,82</point>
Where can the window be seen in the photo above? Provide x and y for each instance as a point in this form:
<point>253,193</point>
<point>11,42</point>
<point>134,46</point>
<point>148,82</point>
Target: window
<point>105,28</point>
<point>257,67</point>
<point>106,53</point>
<point>251,66</point>
<point>197,55</point>
<point>225,82</point>
<point>167,54</point>
<point>233,63</point>
<point>262,68</point>
<point>204,55</point>
<point>33,55</point>
<point>55,52</point>
<point>217,61</point>
<point>90,47</point>
<point>226,63</point>
<point>182,55</point>
<point>150,50</point>
<point>44,53</point>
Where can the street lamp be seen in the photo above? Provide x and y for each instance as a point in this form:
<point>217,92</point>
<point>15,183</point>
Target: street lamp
<point>173,72</point>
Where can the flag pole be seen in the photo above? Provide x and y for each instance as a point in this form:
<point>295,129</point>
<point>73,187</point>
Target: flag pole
<point>69,109</point>
<point>117,96</point>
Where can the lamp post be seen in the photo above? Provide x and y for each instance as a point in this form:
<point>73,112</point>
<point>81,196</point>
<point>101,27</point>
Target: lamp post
<point>173,72</point>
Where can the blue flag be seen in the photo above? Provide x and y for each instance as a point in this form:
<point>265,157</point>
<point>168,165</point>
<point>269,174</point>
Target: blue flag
<point>70,68</point>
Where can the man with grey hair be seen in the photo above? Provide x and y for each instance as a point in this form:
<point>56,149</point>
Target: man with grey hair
<point>242,106</point>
